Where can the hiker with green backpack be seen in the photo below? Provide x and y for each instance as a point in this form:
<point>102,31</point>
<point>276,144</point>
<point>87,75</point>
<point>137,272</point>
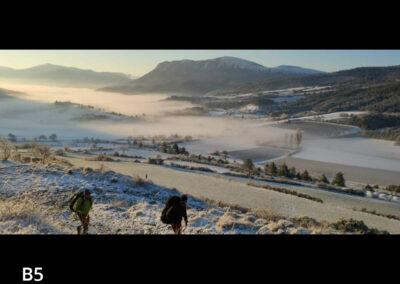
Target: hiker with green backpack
<point>81,204</point>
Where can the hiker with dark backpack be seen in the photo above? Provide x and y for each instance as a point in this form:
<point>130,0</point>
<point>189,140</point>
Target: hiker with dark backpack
<point>174,211</point>
<point>81,204</point>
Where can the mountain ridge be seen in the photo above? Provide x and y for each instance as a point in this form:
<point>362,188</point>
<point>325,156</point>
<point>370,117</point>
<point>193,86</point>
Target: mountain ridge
<point>202,76</point>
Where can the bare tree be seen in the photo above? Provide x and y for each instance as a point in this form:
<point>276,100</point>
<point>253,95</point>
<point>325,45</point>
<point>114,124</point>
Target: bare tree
<point>16,156</point>
<point>42,152</point>
<point>298,137</point>
<point>5,148</point>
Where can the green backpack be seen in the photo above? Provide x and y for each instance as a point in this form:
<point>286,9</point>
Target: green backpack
<point>74,198</point>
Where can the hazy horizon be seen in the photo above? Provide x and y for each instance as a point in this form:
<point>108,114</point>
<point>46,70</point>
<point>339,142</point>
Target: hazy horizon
<point>139,62</point>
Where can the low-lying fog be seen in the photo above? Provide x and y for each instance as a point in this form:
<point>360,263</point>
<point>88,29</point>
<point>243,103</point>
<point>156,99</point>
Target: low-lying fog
<point>149,104</point>
<point>34,113</point>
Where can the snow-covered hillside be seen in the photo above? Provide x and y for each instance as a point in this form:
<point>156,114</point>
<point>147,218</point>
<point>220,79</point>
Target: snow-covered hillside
<point>229,61</point>
<point>34,200</point>
<point>295,70</point>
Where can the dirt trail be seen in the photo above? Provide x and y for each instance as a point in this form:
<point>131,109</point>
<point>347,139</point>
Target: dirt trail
<point>233,191</point>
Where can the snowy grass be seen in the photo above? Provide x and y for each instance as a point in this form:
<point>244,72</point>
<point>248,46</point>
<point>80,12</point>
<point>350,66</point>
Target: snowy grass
<point>35,200</point>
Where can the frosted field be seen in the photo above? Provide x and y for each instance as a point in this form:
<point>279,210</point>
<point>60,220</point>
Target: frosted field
<point>122,206</point>
<point>234,191</point>
<point>362,152</point>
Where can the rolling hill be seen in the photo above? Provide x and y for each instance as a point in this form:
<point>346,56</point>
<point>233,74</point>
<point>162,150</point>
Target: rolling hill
<point>345,78</point>
<point>61,76</point>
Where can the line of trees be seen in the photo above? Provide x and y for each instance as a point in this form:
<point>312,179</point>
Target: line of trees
<point>284,171</point>
<point>293,140</point>
<point>174,149</point>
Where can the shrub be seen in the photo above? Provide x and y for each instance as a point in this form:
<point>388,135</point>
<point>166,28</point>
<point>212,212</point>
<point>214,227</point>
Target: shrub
<point>102,157</point>
<point>292,172</point>
<point>368,187</point>
<point>324,179</point>
<point>138,181</point>
<point>26,159</point>
<point>267,214</point>
<point>305,176</point>
<point>283,170</point>
<point>5,148</point>
<point>203,169</point>
<point>248,165</point>
<point>87,170</point>
<point>354,226</point>
<point>41,152</point>
<point>15,155</point>
<point>156,161</point>
<point>393,188</point>
<point>36,160</point>
<point>273,169</point>
<point>339,179</point>
<point>305,222</point>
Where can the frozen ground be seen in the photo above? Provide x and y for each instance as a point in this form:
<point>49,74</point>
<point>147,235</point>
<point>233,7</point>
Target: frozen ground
<point>232,191</point>
<point>361,152</point>
<point>34,200</point>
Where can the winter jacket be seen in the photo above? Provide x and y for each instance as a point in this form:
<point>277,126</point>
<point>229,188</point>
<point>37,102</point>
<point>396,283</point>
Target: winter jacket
<point>82,206</point>
<point>175,210</point>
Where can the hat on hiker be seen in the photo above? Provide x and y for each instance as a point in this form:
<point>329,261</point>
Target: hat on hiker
<point>184,197</point>
<point>87,192</point>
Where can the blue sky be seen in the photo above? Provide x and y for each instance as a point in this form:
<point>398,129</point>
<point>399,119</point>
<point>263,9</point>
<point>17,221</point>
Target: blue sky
<point>139,62</point>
